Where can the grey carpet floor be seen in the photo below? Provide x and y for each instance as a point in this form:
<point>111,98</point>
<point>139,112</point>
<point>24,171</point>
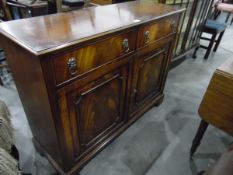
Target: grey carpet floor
<point>159,142</point>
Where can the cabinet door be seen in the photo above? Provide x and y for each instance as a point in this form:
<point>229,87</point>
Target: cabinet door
<point>96,109</point>
<point>149,73</point>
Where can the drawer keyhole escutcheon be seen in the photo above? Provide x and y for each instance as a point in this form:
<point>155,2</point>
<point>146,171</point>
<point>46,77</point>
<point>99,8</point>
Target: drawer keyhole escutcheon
<point>125,44</point>
<point>147,37</point>
<point>72,65</point>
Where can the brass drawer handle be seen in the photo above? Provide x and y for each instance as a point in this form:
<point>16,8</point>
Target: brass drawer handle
<point>72,65</point>
<point>146,37</point>
<point>125,45</point>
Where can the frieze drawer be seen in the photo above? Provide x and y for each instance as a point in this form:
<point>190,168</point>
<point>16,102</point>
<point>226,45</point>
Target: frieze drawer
<point>155,31</point>
<point>86,59</point>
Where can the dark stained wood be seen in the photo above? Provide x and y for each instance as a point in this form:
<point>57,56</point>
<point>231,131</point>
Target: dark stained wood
<point>93,56</point>
<point>148,76</point>
<point>198,137</point>
<point>97,108</point>
<point>83,74</point>
<point>154,31</point>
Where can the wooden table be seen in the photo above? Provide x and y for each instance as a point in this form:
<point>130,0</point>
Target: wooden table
<point>216,107</point>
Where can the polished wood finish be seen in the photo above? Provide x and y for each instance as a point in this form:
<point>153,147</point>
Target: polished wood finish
<point>81,25</point>
<point>216,107</point>
<point>148,77</point>
<point>87,57</point>
<point>86,81</point>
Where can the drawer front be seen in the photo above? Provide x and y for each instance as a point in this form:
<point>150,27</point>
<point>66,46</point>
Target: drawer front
<point>86,59</point>
<point>155,31</point>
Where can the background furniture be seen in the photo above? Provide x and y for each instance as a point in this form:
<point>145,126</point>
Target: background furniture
<point>26,8</point>
<point>90,84</point>
<point>16,9</point>
<point>4,11</point>
<point>216,107</point>
<point>188,37</point>
<point>226,8</point>
<point>215,29</point>
<point>69,5</point>
<point>2,63</point>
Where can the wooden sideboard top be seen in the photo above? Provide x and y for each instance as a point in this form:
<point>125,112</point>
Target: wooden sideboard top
<point>44,34</point>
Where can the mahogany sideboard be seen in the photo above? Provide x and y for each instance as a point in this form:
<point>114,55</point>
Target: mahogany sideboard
<point>85,76</point>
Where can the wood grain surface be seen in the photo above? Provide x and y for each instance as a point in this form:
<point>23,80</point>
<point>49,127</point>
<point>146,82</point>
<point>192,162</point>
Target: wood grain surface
<point>44,34</point>
<point>216,107</point>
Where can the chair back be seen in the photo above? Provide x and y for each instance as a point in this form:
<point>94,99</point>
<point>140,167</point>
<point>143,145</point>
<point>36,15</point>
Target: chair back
<point>5,11</point>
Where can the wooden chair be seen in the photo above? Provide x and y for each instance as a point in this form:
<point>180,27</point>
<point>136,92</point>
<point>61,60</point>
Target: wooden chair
<point>225,6</point>
<point>215,29</point>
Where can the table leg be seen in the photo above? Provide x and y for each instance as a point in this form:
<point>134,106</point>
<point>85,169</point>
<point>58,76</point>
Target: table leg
<point>199,135</point>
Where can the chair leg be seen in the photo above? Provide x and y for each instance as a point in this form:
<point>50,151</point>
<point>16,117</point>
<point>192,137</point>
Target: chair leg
<point>212,40</point>
<point>218,12</point>
<point>1,83</point>
<point>212,15</point>
<point>218,41</point>
<point>201,173</point>
<point>227,18</point>
<point>199,135</point>
<point>195,52</point>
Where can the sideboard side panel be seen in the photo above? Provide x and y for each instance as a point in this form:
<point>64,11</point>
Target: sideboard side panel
<point>28,77</point>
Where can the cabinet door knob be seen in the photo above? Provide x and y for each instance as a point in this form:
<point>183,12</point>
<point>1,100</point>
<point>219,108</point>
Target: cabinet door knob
<point>72,65</point>
<point>147,37</point>
<point>125,44</point>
